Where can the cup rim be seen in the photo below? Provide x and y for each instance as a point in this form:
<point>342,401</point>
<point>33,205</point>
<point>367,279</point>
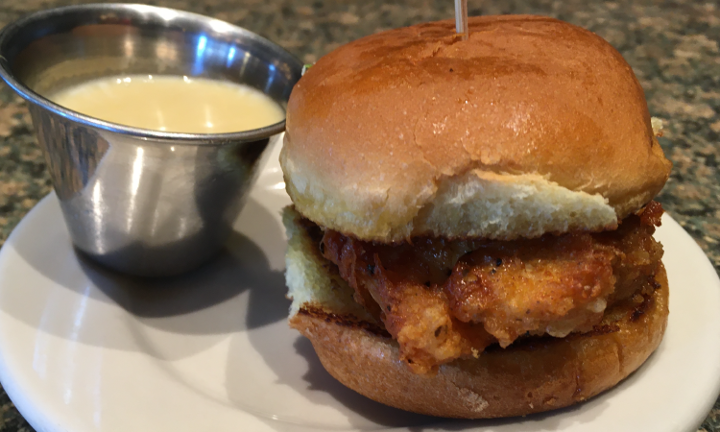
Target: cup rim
<point>175,137</point>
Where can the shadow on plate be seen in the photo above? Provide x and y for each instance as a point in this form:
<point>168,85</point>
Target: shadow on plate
<point>204,302</point>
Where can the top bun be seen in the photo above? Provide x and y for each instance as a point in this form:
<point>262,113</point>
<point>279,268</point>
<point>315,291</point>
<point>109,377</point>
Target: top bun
<point>530,126</point>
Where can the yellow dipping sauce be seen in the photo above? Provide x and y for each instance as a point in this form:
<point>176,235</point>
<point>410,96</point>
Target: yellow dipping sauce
<point>172,103</point>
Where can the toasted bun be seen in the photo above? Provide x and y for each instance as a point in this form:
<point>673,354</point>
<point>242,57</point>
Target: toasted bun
<point>531,126</point>
<point>537,375</point>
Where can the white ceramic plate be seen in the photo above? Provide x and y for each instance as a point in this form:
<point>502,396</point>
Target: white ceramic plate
<point>83,349</point>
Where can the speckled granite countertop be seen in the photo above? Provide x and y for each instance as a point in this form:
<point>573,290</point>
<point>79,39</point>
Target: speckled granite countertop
<point>672,46</point>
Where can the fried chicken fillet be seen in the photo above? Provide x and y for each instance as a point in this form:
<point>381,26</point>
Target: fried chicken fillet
<point>442,300</point>
<point>472,224</point>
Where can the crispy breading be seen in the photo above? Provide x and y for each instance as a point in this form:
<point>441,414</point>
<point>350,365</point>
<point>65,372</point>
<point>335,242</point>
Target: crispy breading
<point>404,290</point>
<point>552,285</point>
<point>443,299</point>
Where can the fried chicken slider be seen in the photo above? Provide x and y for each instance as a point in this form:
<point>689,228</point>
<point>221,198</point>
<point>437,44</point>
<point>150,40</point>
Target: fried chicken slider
<point>472,226</point>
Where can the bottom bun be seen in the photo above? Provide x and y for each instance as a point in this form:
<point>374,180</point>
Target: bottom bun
<point>533,375</point>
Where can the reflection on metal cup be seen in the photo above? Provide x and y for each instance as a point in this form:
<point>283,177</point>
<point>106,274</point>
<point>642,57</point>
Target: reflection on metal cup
<point>143,202</point>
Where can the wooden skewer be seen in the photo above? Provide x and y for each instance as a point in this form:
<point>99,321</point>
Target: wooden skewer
<point>461,18</point>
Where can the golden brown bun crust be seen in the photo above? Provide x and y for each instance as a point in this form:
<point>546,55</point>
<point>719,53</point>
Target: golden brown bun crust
<point>522,379</point>
<point>384,130</point>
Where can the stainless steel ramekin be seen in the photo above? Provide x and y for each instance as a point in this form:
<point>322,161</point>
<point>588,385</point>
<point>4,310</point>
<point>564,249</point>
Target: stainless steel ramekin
<point>142,202</point>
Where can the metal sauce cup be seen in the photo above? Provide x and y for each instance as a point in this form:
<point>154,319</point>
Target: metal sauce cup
<point>143,202</point>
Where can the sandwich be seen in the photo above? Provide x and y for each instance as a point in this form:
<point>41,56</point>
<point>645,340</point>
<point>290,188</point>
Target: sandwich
<point>472,225</point>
